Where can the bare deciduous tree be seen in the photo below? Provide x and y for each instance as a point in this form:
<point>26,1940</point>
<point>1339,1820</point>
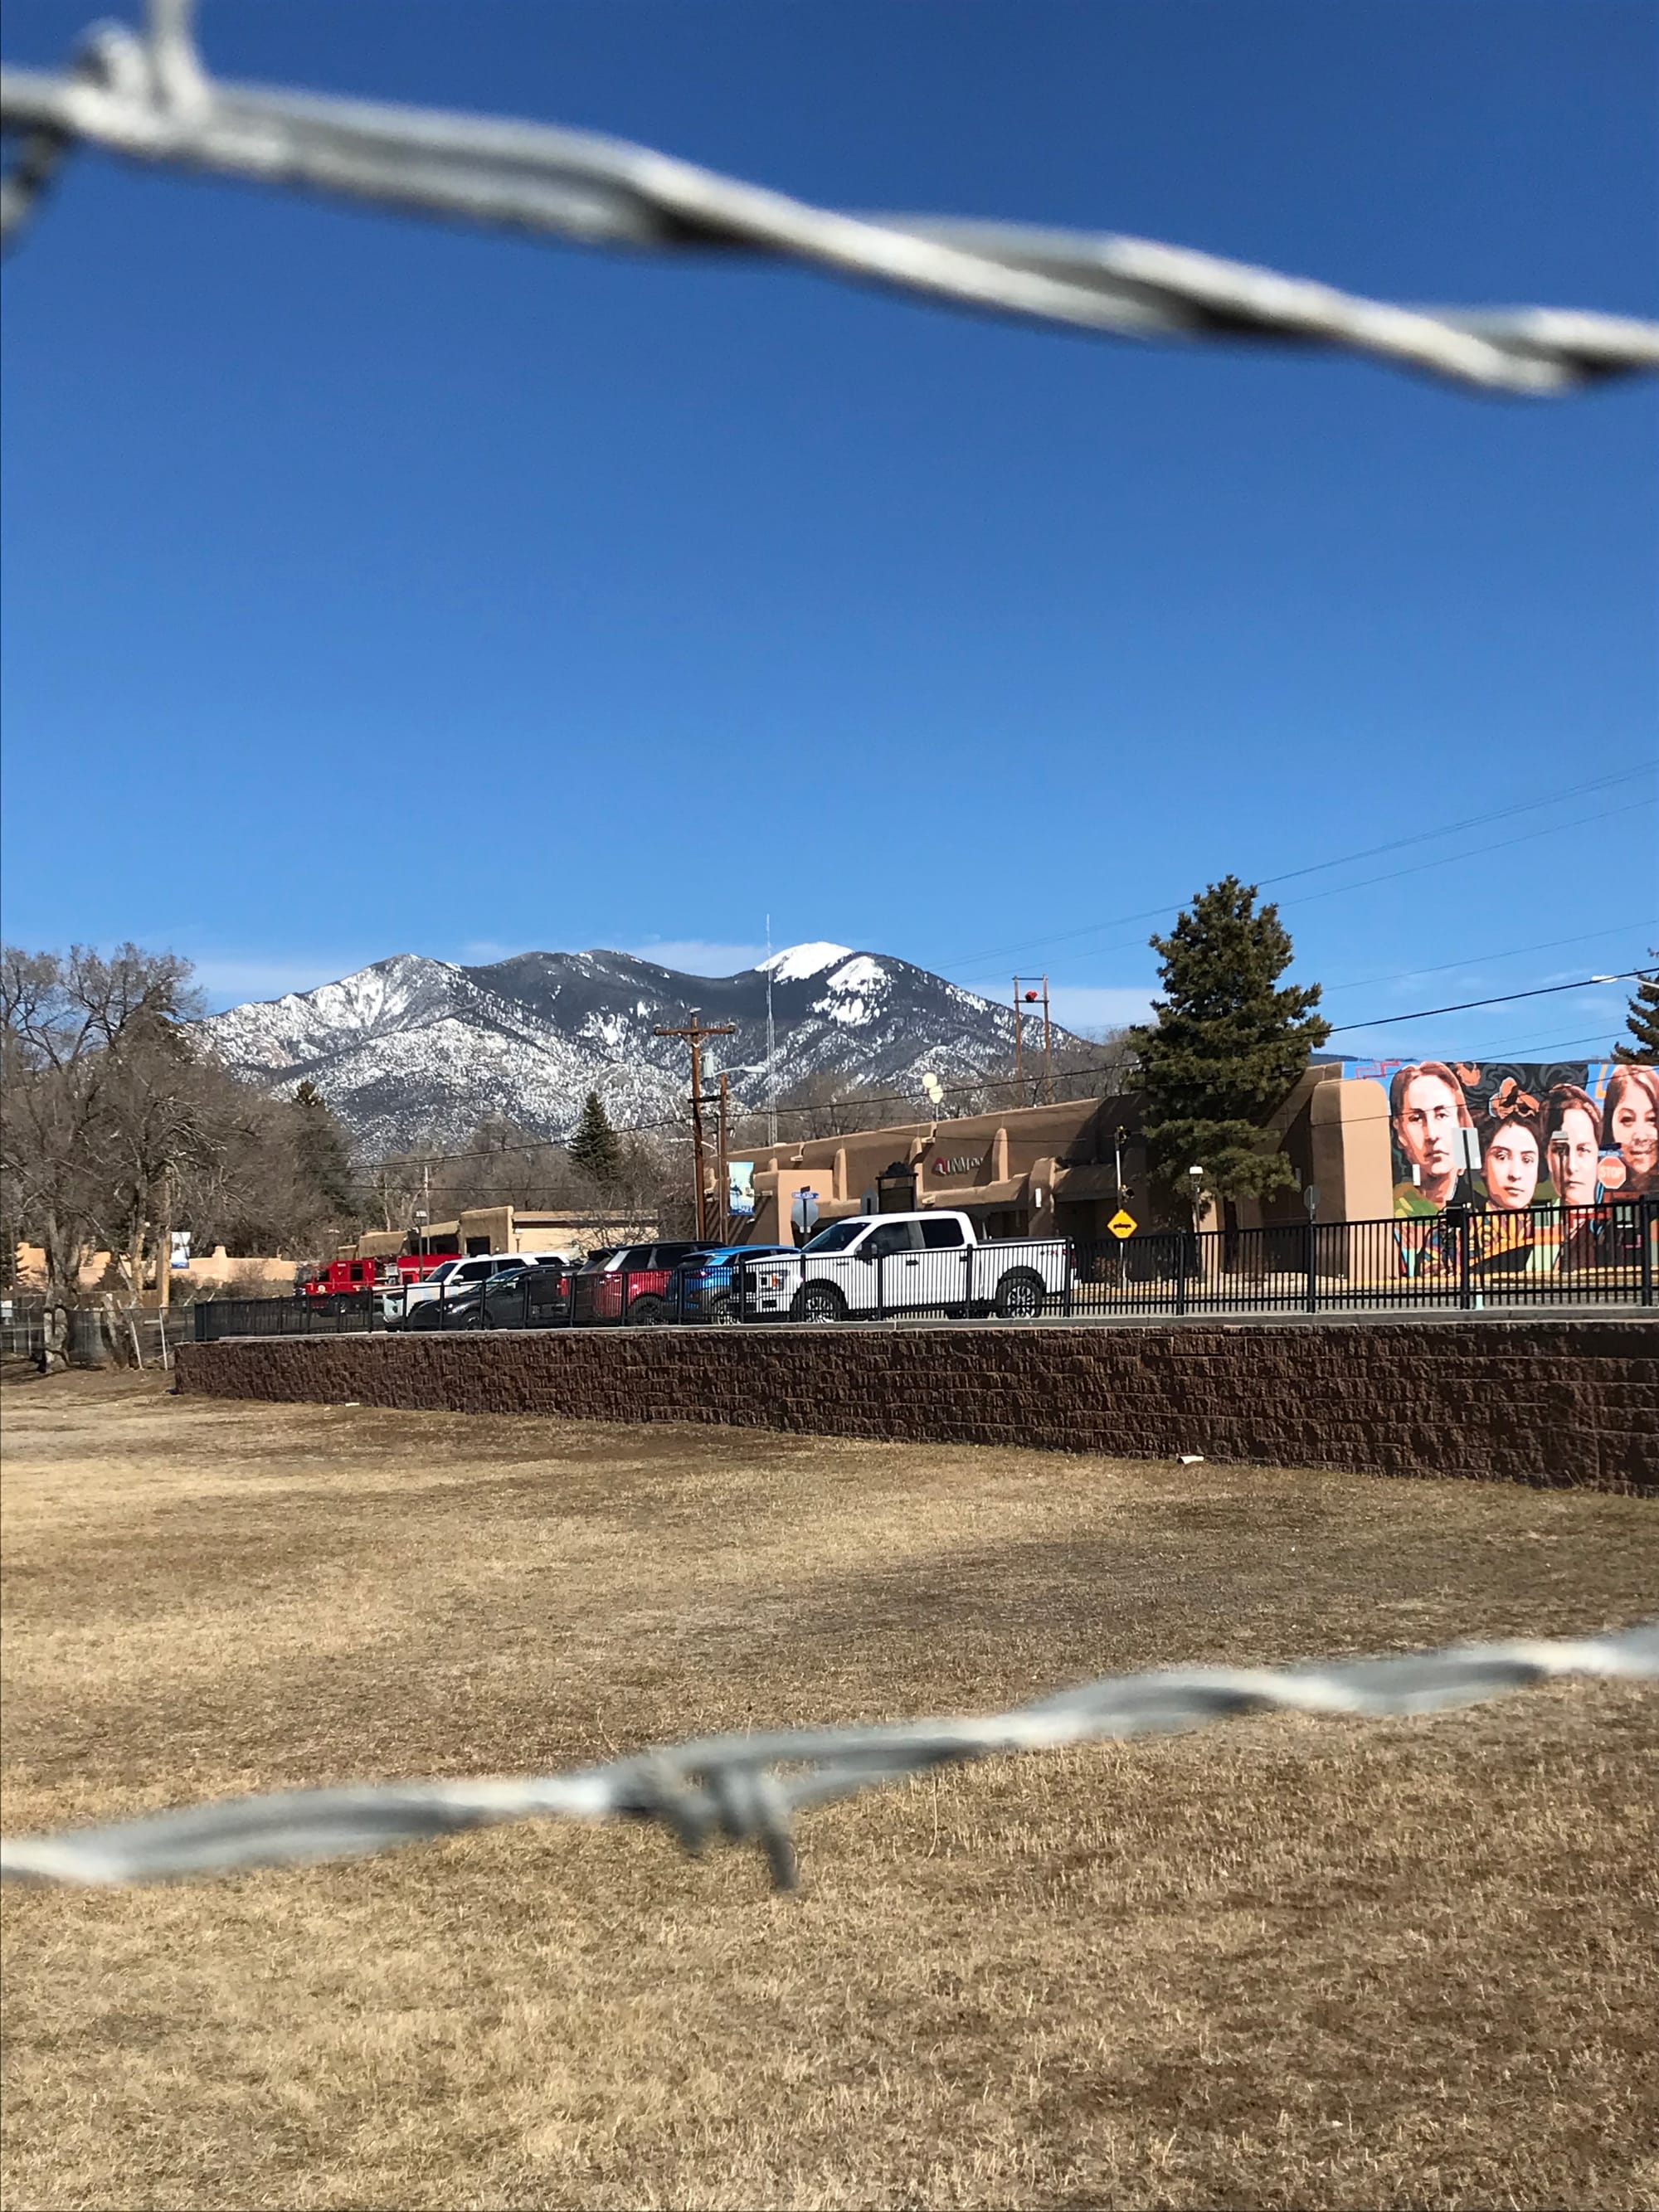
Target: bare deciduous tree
<point>74,1028</point>
<point>115,1126</point>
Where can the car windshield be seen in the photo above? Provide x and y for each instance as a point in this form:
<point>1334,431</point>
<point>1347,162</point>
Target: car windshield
<point>838,1237</point>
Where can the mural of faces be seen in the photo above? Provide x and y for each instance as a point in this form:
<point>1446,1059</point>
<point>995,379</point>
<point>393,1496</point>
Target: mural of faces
<point>1511,1162</point>
<point>1572,1144</point>
<point>1428,1116</point>
<point>1545,1135</point>
<point>1630,1126</point>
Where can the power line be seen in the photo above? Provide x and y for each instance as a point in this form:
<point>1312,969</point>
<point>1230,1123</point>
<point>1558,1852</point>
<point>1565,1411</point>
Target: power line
<point>748,1113</point>
<point>1546,1045</point>
<point>1477,959</point>
<point>1543,991</point>
<point>964,965</point>
<point>151,100</point>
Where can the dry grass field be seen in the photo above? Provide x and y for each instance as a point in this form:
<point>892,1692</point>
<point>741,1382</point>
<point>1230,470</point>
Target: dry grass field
<point>1282,1963</point>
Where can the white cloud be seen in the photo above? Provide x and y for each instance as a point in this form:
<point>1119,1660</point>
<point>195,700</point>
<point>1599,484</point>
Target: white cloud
<point>1086,1007</point>
<point>697,956</point>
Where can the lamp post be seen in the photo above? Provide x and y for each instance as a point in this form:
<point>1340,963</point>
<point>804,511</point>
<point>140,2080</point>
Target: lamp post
<point>421,1219</point>
<point>1196,1184</point>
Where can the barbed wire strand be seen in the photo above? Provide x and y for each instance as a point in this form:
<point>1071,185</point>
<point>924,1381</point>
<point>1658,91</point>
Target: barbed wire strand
<point>147,97</point>
<point>748,1788</point>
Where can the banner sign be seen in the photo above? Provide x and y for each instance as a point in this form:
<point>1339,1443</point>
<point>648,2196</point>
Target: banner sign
<point>740,1189</point>
<point>181,1247</point>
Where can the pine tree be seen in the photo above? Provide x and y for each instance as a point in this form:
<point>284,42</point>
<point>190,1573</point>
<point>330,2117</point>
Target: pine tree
<point>1643,1024</point>
<point>1228,1044</point>
<point>594,1148</point>
<point>321,1153</point>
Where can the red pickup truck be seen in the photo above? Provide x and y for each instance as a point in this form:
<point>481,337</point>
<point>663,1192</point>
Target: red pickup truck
<point>629,1283</point>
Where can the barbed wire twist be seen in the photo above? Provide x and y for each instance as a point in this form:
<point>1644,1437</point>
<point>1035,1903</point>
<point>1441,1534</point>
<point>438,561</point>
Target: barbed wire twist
<point>749,1788</point>
<point>149,98</point>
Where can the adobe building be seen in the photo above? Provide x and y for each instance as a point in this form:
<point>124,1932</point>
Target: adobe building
<point>503,1228</point>
<point>1056,1170</point>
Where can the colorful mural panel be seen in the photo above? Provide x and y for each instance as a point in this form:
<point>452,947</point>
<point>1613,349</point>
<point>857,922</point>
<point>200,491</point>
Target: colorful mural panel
<point>1533,1163</point>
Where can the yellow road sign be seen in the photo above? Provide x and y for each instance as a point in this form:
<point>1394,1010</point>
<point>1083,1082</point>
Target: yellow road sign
<point>1122,1224</point>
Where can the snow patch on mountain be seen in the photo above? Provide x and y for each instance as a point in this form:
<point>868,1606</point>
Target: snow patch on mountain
<point>797,962</point>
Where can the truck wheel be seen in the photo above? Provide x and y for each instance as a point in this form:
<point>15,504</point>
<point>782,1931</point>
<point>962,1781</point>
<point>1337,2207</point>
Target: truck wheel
<point>646,1312</point>
<point>818,1301</point>
<point>722,1309</point>
<point>1020,1296</point>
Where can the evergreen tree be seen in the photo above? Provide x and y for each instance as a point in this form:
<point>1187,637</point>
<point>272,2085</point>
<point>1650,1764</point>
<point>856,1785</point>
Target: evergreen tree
<point>1228,1044</point>
<point>321,1153</point>
<point>594,1148</point>
<point>1643,1024</point>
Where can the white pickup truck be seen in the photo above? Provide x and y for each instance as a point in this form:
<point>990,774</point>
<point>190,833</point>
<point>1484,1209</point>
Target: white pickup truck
<point>894,1263</point>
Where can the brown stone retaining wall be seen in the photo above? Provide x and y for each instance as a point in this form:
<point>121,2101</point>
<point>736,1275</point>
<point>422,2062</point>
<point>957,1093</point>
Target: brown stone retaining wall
<point>1565,1402</point>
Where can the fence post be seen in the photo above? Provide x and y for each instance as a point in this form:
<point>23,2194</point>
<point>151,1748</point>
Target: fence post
<point>1311,1260</point>
<point>1181,1270</point>
<point>1465,1294</point>
<point>881,1283</point>
<point>1068,1261</point>
<point>1647,1215</point>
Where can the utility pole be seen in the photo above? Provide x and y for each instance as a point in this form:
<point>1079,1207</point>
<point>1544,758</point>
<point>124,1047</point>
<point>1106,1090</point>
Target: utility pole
<point>696,1036</point>
<point>771,1047</point>
<point>1022,999</point>
<point>724,1167</point>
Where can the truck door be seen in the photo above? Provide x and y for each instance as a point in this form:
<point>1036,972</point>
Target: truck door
<point>889,1259</point>
<point>941,1281</point>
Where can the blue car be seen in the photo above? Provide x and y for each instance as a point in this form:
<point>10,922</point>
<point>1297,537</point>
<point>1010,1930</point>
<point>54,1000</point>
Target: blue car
<point>704,1286</point>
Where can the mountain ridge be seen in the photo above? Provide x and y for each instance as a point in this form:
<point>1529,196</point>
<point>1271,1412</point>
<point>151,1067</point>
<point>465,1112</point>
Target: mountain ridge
<point>411,1050</point>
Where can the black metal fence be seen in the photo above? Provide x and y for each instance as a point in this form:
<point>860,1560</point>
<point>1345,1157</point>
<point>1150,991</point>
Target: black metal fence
<point>295,1316</point>
<point>1462,1260</point>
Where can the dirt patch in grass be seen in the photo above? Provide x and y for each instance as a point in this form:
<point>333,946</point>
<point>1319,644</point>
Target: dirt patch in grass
<point>1281,1963</point>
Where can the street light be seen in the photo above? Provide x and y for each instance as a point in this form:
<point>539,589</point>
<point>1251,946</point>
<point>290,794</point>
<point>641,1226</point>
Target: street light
<point>1196,1186</point>
<point>421,1219</point>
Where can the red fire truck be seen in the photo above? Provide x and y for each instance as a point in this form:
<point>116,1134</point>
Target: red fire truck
<point>356,1279</point>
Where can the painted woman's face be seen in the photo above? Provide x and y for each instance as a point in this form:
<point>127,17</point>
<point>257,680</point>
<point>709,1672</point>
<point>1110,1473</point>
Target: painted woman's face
<point>1574,1152</point>
<point>1636,1130</point>
<point>1510,1166</point>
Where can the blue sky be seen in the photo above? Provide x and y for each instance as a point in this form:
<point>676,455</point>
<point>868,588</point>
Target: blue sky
<point>374,587</point>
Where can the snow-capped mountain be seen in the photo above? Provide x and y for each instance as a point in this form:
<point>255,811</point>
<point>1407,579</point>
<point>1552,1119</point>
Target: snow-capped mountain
<point>413,1050</point>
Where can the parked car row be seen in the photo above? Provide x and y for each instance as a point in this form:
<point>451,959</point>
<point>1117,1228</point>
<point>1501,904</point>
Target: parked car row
<point>639,1285</point>
<point>871,1265</point>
